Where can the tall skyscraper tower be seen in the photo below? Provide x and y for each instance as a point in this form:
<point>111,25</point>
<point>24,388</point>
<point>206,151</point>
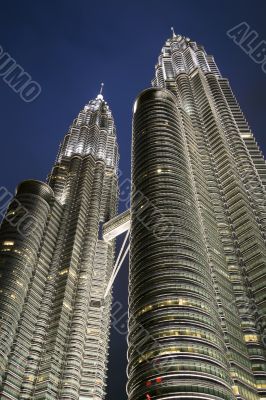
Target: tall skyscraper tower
<point>55,268</point>
<point>197,299</point>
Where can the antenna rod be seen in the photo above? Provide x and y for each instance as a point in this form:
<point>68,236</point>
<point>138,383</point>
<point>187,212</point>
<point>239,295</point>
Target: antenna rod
<point>101,90</point>
<point>173,31</point>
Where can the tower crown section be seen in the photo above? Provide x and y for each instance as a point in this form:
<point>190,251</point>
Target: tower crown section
<point>92,132</point>
<point>180,55</point>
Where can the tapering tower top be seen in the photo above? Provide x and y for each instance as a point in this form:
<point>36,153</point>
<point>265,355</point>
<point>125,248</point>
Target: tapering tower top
<point>92,132</point>
<point>180,55</point>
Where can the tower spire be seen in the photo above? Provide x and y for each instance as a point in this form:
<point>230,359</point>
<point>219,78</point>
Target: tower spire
<point>173,31</point>
<point>100,95</point>
<point>101,90</point>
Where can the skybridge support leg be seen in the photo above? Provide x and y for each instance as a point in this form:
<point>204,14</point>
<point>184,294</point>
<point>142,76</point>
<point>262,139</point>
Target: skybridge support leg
<point>119,261</point>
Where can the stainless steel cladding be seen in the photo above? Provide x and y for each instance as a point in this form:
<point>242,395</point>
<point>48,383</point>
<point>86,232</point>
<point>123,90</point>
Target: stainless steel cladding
<point>197,303</point>
<point>55,266</point>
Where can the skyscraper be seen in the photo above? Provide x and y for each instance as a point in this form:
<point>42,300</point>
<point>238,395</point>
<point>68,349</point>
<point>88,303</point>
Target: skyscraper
<point>197,301</point>
<point>55,267</point>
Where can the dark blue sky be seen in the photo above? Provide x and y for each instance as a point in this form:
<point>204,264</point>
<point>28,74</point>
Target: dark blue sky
<point>69,47</point>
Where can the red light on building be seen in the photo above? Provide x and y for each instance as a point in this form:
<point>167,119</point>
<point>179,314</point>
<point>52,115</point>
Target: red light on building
<point>148,383</point>
<point>148,397</point>
<point>158,380</point>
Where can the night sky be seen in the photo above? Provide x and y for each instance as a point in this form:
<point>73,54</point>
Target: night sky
<point>69,47</point>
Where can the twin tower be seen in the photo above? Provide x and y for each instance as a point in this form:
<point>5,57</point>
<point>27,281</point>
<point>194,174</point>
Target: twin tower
<point>197,223</point>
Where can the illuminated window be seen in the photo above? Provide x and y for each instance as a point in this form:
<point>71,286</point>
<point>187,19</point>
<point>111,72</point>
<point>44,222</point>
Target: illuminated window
<point>8,243</point>
<point>235,390</point>
<point>261,386</point>
<point>63,271</point>
<point>30,378</point>
<point>251,338</point>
